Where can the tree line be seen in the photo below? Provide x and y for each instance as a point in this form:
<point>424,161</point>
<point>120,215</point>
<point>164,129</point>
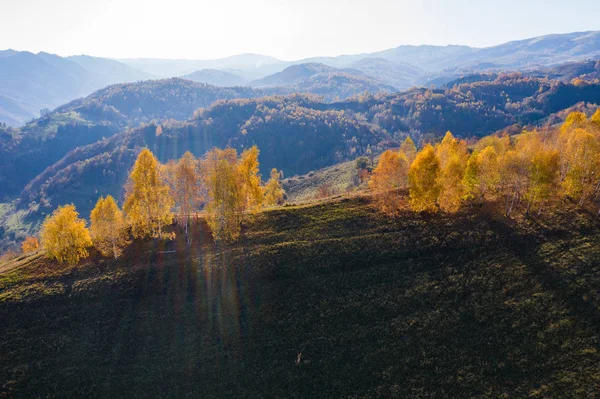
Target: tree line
<point>533,168</point>
<point>226,186</point>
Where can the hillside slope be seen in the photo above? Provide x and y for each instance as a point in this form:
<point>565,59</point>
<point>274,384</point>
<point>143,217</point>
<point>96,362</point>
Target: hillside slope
<point>30,82</point>
<point>334,300</point>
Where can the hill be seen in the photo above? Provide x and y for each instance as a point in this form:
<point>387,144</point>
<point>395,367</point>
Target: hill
<point>296,134</point>
<point>332,300</point>
<point>216,77</point>
<point>397,74</point>
<point>251,66</point>
<point>40,143</point>
<point>31,82</point>
<point>323,80</point>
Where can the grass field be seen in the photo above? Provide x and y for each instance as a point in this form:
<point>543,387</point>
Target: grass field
<point>318,301</point>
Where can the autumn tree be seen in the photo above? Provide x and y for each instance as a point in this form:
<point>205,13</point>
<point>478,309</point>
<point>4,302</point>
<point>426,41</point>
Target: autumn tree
<point>423,180</point>
<point>251,194</point>
<point>108,229</point>
<point>452,155</point>
<point>409,149</point>
<point>390,174</point>
<point>185,189</point>
<point>64,236</point>
<point>273,190</point>
<point>596,117</point>
<point>481,175</point>
<point>545,168</point>
<point>225,208</point>
<point>581,165</point>
<point>573,121</point>
<point>30,244</point>
<point>147,200</point>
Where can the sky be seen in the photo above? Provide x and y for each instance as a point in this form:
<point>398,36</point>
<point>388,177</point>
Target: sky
<point>286,29</point>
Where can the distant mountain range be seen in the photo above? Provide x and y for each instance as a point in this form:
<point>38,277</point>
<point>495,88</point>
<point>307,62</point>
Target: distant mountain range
<point>413,64</point>
<point>31,82</point>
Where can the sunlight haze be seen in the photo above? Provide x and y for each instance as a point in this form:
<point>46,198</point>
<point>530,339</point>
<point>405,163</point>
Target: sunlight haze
<point>286,29</point>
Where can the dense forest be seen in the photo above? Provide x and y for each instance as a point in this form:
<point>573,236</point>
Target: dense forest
<point>40,143</point>
<point>95,140</point>
<point>532,170</point>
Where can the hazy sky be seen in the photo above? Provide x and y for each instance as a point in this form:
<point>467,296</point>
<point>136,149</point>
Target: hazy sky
<point>287,29</point>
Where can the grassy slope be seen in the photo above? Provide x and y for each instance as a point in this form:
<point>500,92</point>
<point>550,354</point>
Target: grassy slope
<point>332,300</point>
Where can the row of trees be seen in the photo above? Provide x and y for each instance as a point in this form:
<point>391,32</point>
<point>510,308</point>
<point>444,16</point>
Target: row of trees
<point>227,186</point>
<point>533,168</point>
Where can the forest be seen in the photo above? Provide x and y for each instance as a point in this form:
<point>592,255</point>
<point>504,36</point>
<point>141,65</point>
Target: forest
<point>532,171</point>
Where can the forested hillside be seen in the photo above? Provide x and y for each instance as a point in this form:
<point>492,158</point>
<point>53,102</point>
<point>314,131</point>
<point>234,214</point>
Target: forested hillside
<point>296,134</point>
<point>331,83</point>
<point>41,143</point>
<point>32,82</point>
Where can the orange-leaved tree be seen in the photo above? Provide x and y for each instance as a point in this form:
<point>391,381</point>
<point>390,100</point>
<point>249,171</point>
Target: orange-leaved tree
<point>390,174</point>
<point>64,235</point>
<point>30,244</point>
<point>108,228</point>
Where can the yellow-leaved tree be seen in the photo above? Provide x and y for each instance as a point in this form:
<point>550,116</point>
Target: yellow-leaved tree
<point>147,199</point>
<point>251,193</point>
<point>545,168</point>
<point>273,190</point>
<point>481,174</point>
<point>452,154</point>
<point>184,182</point>
<point>224,211</point>
<point>581,165</point>
<point>423,180</point>
<point>30,244</point>
<point>390,174</point>
<point>64,236</point>
<point>409,149</point>
<point>573,121</point>
<point>107,227</point>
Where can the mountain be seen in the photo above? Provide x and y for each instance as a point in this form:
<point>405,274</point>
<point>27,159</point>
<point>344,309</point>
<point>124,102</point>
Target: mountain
<point>295,133</point>
<point>544,50</point>
<point>293,75</point>
<point>587,70</point>
<point>245,64</point>
<point>86,147</point>
<point>216,77</point>
<point>328,300</point>
<point>31,82</point>
<point>40,143</point>
<point>331,83</point>
<point>396,74</point>
<point>299,133</point>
